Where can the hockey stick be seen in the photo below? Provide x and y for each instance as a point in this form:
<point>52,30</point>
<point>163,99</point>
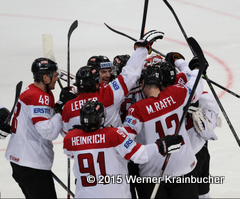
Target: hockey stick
<point>70,31</point>
<point>163,55</point>
<point>225,89</point>
<point>17,94</point>
<point>123,34</point>
<point>47,43</point>
<point>62,184</point>
<point>223,111</point>
<point>48,50</point>
<point>144,18</point>
<point>206,77</point>
<point>64,76</point>
<point>194,45</point>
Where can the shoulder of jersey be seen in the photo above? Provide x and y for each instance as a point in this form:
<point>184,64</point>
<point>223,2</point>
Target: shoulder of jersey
<point>35,96</point>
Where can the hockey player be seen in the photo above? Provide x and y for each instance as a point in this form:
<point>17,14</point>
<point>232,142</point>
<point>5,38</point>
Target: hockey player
<point>5,129</point>
<point>201,122</point>
<point>34,126</point>
<point>101,154</point>
<point>182,77</point>
<point>158,115</point>
<point>137,94</point>
<point>111,95</point>
<point>104,66</point>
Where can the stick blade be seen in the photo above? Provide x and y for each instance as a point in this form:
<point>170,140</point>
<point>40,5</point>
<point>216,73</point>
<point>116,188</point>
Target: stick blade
<point>195,46</point>
<point>120,33</point>
<point>48,50</point>
<point>197,51</point>
<point>17,94</point>
<point>72,28</point>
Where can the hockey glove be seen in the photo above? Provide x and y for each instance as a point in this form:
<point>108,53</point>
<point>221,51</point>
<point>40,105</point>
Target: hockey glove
<point>194,63</point>
<point>199,119</point>
<point>58,107</point>
<point>5,130</point>
<point>148,40</point>
<point>119,62</point>
<point>169,144</point>
<point>4,113</point>
<point>173,56</point>
<point>65,96</point>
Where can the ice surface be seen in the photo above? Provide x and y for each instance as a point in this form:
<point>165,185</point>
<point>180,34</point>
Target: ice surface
<point>214,24</point>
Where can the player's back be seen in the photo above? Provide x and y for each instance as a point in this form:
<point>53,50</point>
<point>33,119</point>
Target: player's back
<point>99,168</point>
<point>110,97</point>
<point>157,117</point>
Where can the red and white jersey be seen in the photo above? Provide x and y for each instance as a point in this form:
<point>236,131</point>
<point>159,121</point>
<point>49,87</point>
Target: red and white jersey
<point>100,161</point>
<point>111,95</point>
<point>137,95</point>
<point>155,117</point>
<point>34,126</point>
<point>210,108</point>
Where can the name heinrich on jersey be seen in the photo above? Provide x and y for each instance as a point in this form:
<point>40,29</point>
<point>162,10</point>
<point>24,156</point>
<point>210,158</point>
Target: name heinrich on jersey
<point>91,139</point>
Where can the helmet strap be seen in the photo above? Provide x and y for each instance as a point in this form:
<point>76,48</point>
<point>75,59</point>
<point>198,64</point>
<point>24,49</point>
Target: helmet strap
<point>50,76</point>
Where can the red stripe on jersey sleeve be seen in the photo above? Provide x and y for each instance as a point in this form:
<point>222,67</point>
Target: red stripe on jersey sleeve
<point>64,132</point>
<point>129,155</point>
<point>181,78</point>
<point>124,86</point>
<point>106,96</point>
<point>130,130</point>
<point>38,119</point>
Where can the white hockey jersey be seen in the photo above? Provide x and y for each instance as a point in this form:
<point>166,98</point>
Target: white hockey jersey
<point>156,117</point>
<point>210,107</point>
<point>111,95</point>
<point>100,161</point>
<point>34,126</point>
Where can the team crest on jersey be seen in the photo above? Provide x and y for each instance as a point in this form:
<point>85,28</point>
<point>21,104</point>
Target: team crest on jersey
<point>132,121</point>
<point>115,85</point>
<point>128,142</point>
<point>41,110</point>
